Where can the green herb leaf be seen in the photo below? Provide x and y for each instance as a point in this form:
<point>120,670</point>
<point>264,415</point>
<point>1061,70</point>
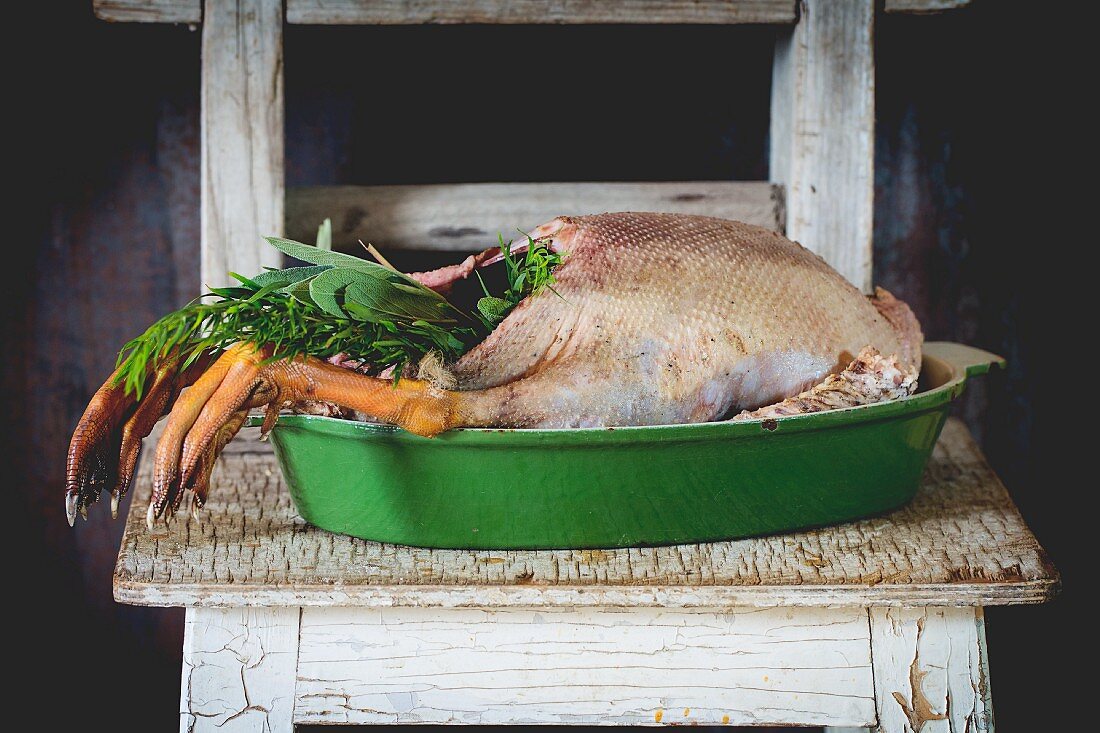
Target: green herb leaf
<point>289,276</point>
<point>315,256</point>
<point>300,292</point>
<point>333,290</point>
<point>247,282</point>
<point>327,290</point>
<point>493,309</point>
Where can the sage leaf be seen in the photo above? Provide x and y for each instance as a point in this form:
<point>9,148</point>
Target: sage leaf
<point>326,290</point>
<point>300,292</point>
<point>314,256</point>
<point>288,276</point>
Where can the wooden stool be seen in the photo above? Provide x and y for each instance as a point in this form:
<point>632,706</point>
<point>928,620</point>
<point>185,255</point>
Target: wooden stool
<point>876,623</point>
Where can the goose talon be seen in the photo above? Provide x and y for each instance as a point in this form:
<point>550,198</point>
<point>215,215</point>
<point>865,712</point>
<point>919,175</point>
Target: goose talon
<point>71,499</point>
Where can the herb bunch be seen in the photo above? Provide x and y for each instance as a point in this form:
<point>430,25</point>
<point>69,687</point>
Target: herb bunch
<point>527,275</point>
<point>336,304</point>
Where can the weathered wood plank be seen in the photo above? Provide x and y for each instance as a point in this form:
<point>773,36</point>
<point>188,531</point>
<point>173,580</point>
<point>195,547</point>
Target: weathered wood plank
<point>822,134</point>
<point>585,666</point>
<point>468,216</point>
<point>148,11</point>
<point>358,12</point>
<point>404,12</point>
<point>239,669</point>
<point>924,6</point>
<point>242,137</point>
<point>931,670</point>
<point>960,542</point>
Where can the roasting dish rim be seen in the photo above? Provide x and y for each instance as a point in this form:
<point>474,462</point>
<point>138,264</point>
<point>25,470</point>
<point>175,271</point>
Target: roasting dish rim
<point>946,365</point>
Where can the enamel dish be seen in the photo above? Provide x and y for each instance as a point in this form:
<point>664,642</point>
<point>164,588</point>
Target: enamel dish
<point>487,488</point>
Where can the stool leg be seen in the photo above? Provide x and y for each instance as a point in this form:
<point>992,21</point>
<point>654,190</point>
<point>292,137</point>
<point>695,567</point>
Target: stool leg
<point>931,670</point>
<point>239,669</point>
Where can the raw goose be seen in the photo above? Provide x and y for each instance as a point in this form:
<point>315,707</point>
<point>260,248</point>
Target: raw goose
<point>654,319</point>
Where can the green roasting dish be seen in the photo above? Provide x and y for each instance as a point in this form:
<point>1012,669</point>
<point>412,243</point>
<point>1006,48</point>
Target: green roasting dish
<point>492,488</point>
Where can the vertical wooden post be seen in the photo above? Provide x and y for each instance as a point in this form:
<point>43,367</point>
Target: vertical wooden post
<point>240,669</point>
<point>822,131</point>
<point>242,136</point>
<point>931,670</point>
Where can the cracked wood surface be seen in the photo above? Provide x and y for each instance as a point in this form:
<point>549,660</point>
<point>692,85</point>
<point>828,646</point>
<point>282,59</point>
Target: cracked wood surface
<point>238,669</point>
<point>960,542</point>
<point>931,670</point>
<point>584,666</point>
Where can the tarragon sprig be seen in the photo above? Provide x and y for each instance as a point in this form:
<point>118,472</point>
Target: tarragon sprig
<point>527,275</point>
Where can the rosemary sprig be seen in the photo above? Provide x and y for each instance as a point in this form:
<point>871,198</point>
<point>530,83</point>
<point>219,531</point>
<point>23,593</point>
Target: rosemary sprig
<point>338,304</point>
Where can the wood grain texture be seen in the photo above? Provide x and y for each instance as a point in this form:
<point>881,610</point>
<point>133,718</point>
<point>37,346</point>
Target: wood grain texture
<point>822,132</point>
<point>468,216</point>
<point>931,670</point>
<point>584,666</point>
<point>238,670</point>
<point>924,6</point>
<point>148,11</point>
<point>404,12</point>
<point>242,137</point>
<point>960,542</point>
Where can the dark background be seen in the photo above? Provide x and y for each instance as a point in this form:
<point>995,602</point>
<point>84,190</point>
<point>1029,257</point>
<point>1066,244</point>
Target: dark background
<point>978,159</point>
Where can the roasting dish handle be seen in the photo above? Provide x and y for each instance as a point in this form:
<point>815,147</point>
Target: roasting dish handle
<point>964,360</point>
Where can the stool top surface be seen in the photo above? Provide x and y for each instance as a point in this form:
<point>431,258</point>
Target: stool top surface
<point>961,542</point>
